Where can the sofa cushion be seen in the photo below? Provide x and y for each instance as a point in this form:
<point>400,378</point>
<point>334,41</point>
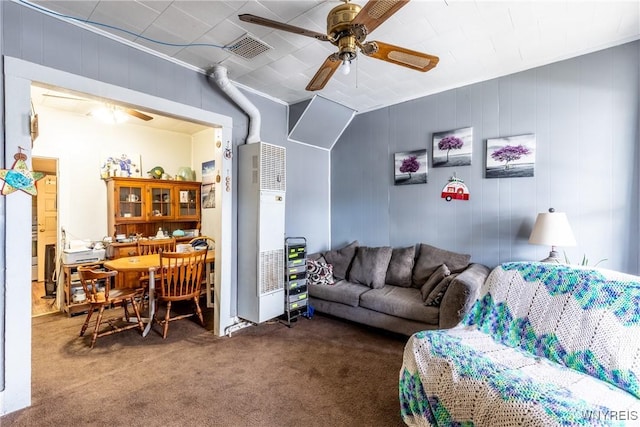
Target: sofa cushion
<point>435,296</point>
<point>400,302</point>
<point>430,258</point>
<point>343,292</point>
<point>341,259</point>
<point>370,266</point>
<point>319,273</point>
<point>401,266</point>
<point>433,280</point>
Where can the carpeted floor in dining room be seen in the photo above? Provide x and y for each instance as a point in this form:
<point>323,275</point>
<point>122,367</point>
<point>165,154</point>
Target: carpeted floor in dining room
<point>320,372</point>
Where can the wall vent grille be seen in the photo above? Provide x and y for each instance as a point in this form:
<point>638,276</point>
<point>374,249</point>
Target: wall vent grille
<point>271,271</point>
<point>248,47</point>
<point>273,173</point>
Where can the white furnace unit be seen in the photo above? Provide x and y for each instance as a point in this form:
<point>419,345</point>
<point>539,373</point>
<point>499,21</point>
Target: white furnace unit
<point>261,203</point>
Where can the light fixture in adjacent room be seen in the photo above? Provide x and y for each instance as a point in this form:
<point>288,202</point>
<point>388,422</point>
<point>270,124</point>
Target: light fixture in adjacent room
<point>552,229</point>
<point>110,114</point>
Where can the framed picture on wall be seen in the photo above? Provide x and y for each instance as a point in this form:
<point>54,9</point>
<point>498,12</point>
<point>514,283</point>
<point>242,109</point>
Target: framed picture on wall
<point>511,156</point>
<point>410,167</point>
<point>208,190</point>
<point>452,147</point>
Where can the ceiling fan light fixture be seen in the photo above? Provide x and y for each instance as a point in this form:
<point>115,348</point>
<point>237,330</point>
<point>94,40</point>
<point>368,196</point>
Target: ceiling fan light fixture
<point>345,68</point>
<point>110,115</point>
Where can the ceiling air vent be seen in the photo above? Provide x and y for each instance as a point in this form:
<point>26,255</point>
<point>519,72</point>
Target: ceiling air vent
<point>248,47</point>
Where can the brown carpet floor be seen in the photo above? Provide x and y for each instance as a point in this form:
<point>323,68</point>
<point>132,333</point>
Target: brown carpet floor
<point>320,372</point>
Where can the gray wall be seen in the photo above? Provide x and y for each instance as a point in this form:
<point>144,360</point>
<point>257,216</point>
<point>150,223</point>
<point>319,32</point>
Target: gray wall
<point>584,113</point>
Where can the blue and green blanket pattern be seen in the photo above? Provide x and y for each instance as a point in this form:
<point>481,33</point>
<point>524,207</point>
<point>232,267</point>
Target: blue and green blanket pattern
<point>610,307</point>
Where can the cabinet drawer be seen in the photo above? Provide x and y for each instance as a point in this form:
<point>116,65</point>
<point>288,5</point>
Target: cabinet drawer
<point>297,284</point>
<point>298,289</point>
<point>290,306</point>
<point>298,297</point>
<point>297,263</point>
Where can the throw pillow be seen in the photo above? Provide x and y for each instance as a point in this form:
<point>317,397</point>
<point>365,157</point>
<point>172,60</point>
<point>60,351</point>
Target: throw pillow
<point>435,297</point>
<point>430,258</point>
<point>401,266</point>
<point>341,259</point>
<point>433,280</point>
<point>319,273</point>
<point>370,266</point>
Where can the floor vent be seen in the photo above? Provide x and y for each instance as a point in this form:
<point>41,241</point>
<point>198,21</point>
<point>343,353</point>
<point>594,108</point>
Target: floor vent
<point>248,47</point>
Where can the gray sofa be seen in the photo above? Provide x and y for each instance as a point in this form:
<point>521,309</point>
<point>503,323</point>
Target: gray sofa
<point>403,290</point>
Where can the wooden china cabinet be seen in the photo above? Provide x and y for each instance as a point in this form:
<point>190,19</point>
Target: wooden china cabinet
<point>140,206</point>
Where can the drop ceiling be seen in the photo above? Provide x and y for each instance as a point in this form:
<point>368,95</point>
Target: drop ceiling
<point>475,41</point>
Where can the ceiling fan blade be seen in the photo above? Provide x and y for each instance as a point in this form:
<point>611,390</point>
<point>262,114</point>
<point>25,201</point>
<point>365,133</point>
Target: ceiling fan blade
<point>324,73</point>
<point>282,26</point>
<point>375,12</point>
<point>400,56</point>
<point>50,95</point>
<point>140,115</point>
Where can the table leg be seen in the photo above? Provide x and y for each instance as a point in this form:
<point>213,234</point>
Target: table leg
<point>152,300</point>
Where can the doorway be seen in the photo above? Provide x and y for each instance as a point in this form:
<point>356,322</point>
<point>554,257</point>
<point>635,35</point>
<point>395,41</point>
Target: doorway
<point>16,312</point>
<point>44,228</point>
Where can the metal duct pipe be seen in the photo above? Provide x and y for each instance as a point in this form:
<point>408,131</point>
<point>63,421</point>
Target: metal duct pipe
<point>219,74</point>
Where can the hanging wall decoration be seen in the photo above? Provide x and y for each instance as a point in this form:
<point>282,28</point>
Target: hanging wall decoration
<point>410,167</point>
<point>511,156</point>
<point>19,177</point>
<point>208,186</point>
<point>452,147</point>
<point>455,189</point>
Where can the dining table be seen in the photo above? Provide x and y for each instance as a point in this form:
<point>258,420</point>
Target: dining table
<point>150,263</point>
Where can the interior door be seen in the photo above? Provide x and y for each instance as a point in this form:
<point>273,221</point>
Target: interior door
<point>47,217</point>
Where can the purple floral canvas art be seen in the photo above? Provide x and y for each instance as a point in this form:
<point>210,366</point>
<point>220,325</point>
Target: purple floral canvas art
<point>452,147</point>
<point>511,156</point>
<point>410,167</point>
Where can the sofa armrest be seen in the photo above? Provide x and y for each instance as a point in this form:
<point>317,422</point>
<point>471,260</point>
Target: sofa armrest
<point>461,294</point>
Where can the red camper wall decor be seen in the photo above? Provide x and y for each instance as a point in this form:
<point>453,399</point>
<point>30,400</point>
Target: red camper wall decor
<point>455,189</point>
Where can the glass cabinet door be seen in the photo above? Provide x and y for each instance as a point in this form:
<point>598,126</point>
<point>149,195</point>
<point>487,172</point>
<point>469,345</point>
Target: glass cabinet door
<point>161,202</point>
<point>188,202</point>
<point>129,202</point>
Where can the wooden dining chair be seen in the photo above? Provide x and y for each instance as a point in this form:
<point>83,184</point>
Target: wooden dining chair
<point>154,246</point>
<point>97,285</point>
<point>181,277</point>
<point>202,242</point>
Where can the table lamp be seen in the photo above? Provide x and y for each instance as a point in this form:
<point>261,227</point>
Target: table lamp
<point>552,228</point>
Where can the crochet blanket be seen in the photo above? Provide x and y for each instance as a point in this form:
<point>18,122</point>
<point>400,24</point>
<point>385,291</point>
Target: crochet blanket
<point>544,344</point>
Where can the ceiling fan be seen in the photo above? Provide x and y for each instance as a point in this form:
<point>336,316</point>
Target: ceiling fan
<point>347,28</point>
<point>130,111</point>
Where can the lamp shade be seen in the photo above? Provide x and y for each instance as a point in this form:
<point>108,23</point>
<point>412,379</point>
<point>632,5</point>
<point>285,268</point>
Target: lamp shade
<point>552,229</point>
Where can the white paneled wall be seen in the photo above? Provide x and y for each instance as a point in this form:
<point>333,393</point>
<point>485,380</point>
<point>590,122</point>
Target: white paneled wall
<point>80,144</point>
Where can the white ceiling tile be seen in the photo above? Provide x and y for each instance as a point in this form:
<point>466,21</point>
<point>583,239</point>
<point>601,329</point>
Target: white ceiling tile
<point>282,43</point>
<point>74,9</point>
<point>156,5</point>
<point>182,25</point>
<point>223,34</point>
<point>286,10</point>
<point>210,12</point>
<point>202,57</point>
<point>287,65</point>
<point>131,16</point>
